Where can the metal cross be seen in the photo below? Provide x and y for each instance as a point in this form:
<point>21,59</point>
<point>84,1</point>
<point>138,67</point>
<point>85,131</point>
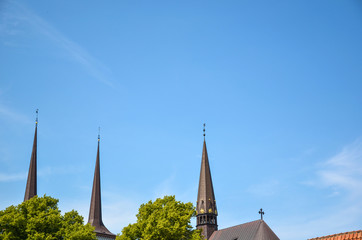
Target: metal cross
<point>261,213</point>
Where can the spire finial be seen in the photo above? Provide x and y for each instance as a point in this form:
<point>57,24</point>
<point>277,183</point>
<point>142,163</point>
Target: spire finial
<point>99,133</point>
<point>261,213</point>
<point>204,130</point>
<point>36,120</point>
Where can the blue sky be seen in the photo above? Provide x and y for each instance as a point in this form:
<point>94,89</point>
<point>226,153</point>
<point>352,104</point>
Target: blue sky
<point>278,84</point>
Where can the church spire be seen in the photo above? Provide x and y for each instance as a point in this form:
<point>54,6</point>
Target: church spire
<point>31,184</point>
<point>206,203</point>
<point>95,211</point>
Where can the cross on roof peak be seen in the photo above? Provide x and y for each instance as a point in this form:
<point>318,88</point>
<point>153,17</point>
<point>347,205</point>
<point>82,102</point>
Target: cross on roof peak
<point>261,213</point>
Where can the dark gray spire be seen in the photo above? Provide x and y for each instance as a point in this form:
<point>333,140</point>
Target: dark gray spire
<point>95,211</point>
<point>206,203</point>
<point>205,197</point>
<point>31,184</point>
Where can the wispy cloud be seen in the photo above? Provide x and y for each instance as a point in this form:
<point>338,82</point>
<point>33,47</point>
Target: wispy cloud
<point>43,172</point>
<point>306,227</point>
<point>344,170</point>
<point>12,177</point>
<point>59,170</point>
<point>341,175</point>
<point>17,14</point>
<point>11,114</point>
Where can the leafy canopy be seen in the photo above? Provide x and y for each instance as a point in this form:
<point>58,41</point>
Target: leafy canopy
<point>39,218</point>
<point>163,219</point>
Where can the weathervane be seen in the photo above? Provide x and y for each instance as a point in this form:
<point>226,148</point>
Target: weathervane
<point>204,130</point>
<point>261,213</point>
<point>99,133</point>
<point>36,120</point>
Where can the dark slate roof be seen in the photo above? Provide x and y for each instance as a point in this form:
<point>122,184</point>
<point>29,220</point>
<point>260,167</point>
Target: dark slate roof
<point>206,202</point>
<point>31,184</point>
<point>95,211</point>
<point>256,230</point>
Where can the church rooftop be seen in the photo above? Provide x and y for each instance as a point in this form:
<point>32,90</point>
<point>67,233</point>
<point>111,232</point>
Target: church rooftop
<point>256,230</point>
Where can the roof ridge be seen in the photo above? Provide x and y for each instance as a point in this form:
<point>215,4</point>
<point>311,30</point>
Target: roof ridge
<point>338,234</point>
<point>257,230</point>
<point>239,225</point>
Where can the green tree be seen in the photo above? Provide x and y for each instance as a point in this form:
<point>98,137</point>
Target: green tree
<point>40,219</point>
<point>163,219</point>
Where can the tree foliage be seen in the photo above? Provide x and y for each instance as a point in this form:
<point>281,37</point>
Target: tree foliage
<point>39,218</point>
<point>163,219</point>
